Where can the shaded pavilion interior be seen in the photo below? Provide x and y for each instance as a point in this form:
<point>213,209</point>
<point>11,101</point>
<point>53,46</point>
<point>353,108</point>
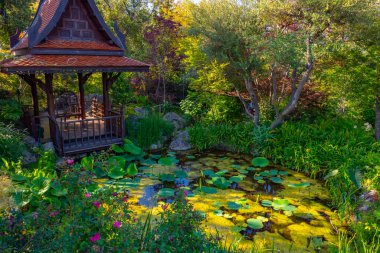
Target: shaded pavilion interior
<point>70,36</point>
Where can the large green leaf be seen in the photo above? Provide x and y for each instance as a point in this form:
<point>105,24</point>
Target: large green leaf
<point>40,185</point>
<point>221,182</point>
<point>167,177</point>
<point>99,172</point>
<point>116,162</point>
<point>166,192</point>
<point>88,163</point>
<point>131,148</point>
<point>255,223</point>
<point>18,178</point>
<point>116,173</point>
<point>300,185</point>
<point>233,205</point>
<point>57,190</point>
<point>260,162</point>
<point>168,161</point>
<point>22,198</point>
<point>208,190</point>
<point>117,149</point>
<point>132,170</point>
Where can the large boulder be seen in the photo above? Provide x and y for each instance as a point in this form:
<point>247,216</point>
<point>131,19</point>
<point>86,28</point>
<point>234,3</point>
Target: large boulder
<point>141,112</point>
<point>181,142</point>
<point>178,122</point>
<point>49,146</point>
<point>28,157</point>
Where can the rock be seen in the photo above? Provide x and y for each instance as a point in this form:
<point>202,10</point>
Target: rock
<point>49,146</point>
<point>141,112</point>
<point>28,157</point>
<point>178,122</point>
<point>30,141</point>
<point>156,146</point>
<point>181,142</point>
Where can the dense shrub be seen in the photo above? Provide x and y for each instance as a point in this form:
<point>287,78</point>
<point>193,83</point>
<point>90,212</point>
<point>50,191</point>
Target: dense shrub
<point>148,130</point>
<point>11,143</point>
<point>10,110</point>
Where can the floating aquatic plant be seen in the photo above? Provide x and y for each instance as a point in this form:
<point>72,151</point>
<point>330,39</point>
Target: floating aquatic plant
<point>167,177</point>
<point>208,190</point>
<point>276,180</point>
<point>166,192</point>
<point>233,205</point>
<point>168,161</point>
<point>300,185</point>
<point>260,162</point>
<point>255,223</point>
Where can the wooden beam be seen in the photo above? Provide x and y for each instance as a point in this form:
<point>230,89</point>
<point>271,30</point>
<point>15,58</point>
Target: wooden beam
<point>81,82</point>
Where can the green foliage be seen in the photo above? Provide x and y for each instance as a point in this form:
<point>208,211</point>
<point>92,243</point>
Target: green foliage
<point>148,130</point>
<point>11,143</point>
<point>10,110</point>
<point>238,137</point>
<point>340,149</point>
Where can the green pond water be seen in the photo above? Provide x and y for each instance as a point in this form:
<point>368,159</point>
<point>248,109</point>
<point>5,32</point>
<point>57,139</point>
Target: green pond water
<point>261,208</point>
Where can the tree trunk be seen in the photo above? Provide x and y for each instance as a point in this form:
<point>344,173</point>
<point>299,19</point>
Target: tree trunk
<point>255,102</point>
<point>292,104</point>
<point>377,119</point>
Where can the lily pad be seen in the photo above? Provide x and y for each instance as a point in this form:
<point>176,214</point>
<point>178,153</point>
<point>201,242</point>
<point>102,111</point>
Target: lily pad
<point>148,161</point>
<point>279,204</point>
<point>233,205</point>
<point>131,148</point>
<point>156,157</point>
<point>166,192</point>
<point>190,157</point>
<point>283,173</point>
<point>209,173</point>
<point>180,174</point>
<point>265,173</point>
<point>257,178</point>
<point>266,203</point>
<point>237,179</point>
<point>263,219</point>
<point>300,185</point>
<point>218,212</point>
<point>273,172</point>
<point>255,223</point>
<point>243,171</point>
<point>221,182</point>
<point>117,149</point>
<point>168,161</point>
<point>221,172</point>
<point>116,173</point>
<point>208,190</point>
<point>99,172</point>
<point>167,177</point>
<point>235,166</point>
<point>132,170</point>
<point>276,180</point>
<point>260,162</point>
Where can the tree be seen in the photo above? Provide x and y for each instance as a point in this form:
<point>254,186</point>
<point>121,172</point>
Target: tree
<point>270,40</point>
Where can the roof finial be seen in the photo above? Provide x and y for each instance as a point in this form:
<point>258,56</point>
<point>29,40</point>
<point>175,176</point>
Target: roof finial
<point>120,35</point>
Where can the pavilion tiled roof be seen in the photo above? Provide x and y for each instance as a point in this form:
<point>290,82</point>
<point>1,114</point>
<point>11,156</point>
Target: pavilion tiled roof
<point>70,62</point>
<point>70,44</point>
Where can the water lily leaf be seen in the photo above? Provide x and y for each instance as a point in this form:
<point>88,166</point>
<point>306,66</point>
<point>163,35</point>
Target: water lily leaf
<point>148,162</point>
<point>18,178</point>
<point>167,177</point>
<point>168,161</point>
<point>251,169</point>
<point>289,208</point>
<point>235,166</point>
<point>209,173</point>
<point>166,192</point>
<point>172,153</point>
<point>288,213</point>
<point>273,172</point>
<point>116,162</point>
<point>116,173</point>
<point>218,212</point>
<point>257,178</point>
<point>265,173</point>
<point>131,148</point>
<point>180,174</point>
<point>156,157</point>
<point>221,182</point>
<point>190,157</point>
<point>132,170</point>
<point>236,229</point>
<point>300,185</point>
<point>255,223</point>
<point>279,204</point>
<point>217,204</point>
<point>283,173</point>
<point>261,181</point>
<point>233,205</point>
<point>243,171</point>
<point>221,172</point>
<point>117,149</point>
<point>276,180</point>
<point>266,203</point>
<point>209,190</point>
<point>237,179</point>
<point>260,162</point>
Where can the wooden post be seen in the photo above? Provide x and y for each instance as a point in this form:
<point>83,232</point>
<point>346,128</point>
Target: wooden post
<point>81,82</point>
<point>106,98</point>
<point>50,106</point>
<point>36,109</point>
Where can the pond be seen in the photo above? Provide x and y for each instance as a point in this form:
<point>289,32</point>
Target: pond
<point>262,206</point>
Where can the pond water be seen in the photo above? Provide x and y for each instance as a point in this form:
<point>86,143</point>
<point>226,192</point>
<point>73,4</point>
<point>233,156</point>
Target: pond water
<point>266,208</point>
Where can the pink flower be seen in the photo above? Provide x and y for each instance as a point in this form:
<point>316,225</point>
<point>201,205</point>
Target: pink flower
<point>87,195</point>
<point>114,194</point>
<point>125,199</point>
<point>96,204</point>
<point>135,220</point>
<point>164,207</point>
<point>171,238</point>
<point>70,162</point>
<point>95,238</point>
<point>186,193</point>
<point>117,224</point>
<point>52,214</point>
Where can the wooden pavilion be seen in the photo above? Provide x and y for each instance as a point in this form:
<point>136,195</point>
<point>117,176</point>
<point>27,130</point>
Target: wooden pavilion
<point>70,36</point>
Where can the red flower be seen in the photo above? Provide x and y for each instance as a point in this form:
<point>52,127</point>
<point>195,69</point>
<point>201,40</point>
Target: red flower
<point>96,204</point>
<point>95,238</point>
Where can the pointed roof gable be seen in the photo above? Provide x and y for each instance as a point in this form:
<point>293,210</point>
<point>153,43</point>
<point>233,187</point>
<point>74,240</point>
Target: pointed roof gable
<point>73,17</point>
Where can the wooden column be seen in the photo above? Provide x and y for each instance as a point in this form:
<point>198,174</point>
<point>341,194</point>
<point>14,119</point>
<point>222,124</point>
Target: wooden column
<point>81,81</point>
<point>36,109</point>
<point>106,98</point>
<point>50,94</point>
